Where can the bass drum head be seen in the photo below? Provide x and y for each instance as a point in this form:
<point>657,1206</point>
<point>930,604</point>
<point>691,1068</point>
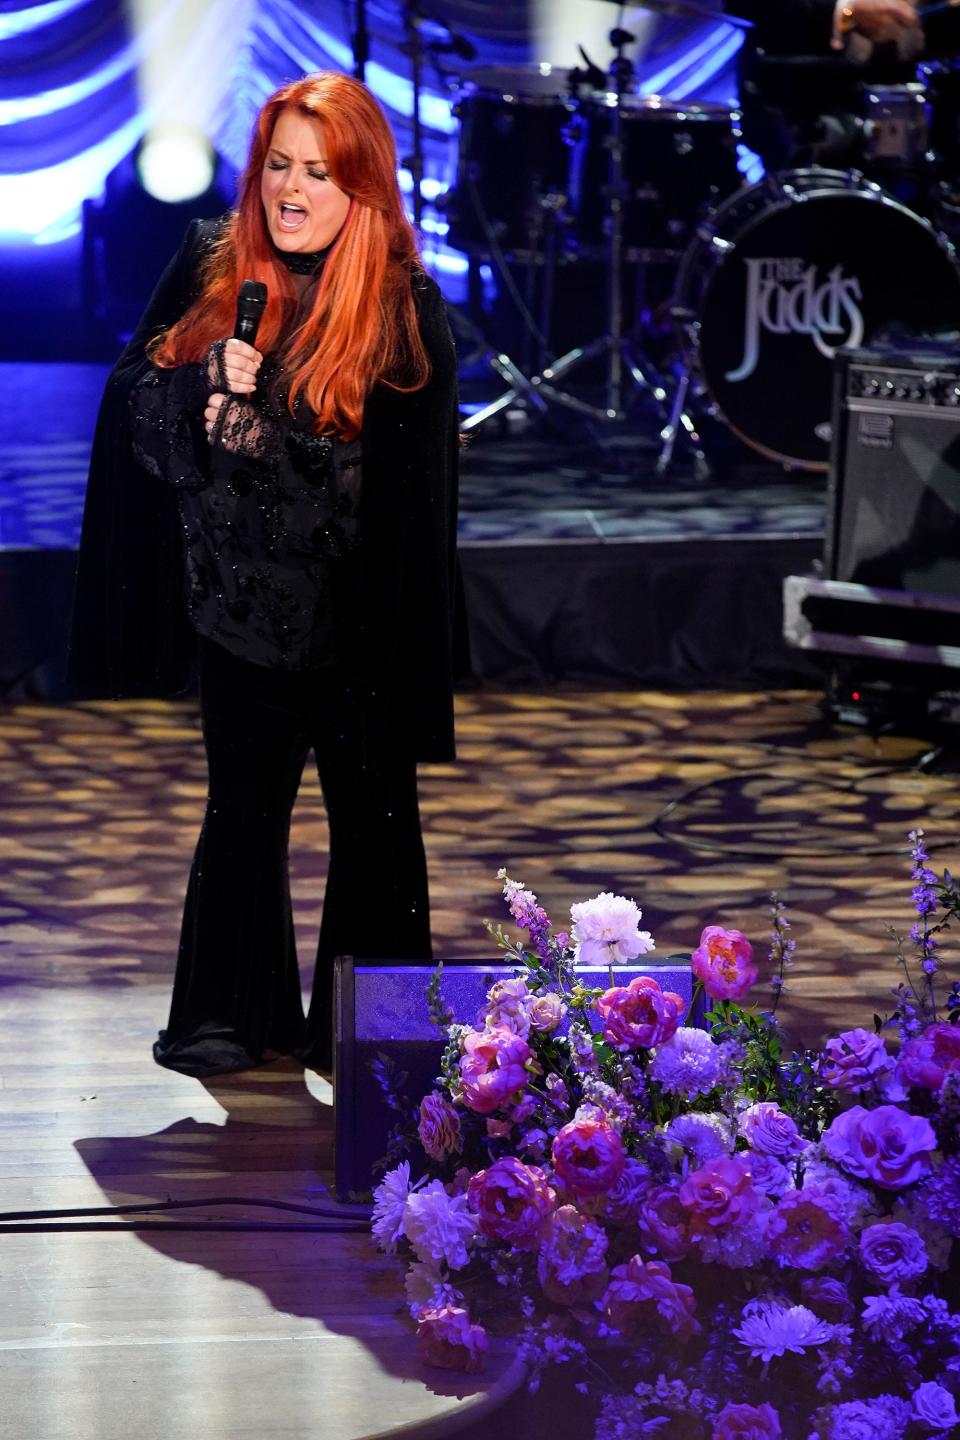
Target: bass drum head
<point>793,273</point>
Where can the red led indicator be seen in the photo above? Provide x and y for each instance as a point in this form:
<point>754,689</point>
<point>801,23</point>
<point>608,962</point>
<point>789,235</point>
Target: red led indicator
<point>855,695</point>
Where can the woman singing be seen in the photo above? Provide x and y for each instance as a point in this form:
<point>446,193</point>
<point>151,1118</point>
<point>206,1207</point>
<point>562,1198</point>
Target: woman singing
<point>295,504</point>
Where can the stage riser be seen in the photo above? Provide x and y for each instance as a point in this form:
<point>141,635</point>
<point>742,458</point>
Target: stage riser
<point>691,614</point>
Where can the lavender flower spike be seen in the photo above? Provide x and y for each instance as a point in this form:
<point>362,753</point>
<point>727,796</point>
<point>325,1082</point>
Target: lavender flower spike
<point>529,915</point>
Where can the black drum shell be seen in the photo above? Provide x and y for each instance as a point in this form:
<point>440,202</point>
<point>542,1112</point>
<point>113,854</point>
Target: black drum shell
<point>516,141</point>
<point>856,238</point>
<point>679,158</point>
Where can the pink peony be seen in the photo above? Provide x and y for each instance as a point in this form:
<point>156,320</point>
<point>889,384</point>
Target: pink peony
<point>642,1294</point>
<point>508,1005</point>
<point>492,1068</point>
<point>854,1061</point>
<point>572,1266</point>
<point>719,1195</point>
<point>439,1126</point>
<point>664,1223</point>
<point>723,962</point>
<point>770,1131</point>
<point>807,1230</point>
<point>606,931</point>
<point>588,1157</point>
<point>926,1060</point>
<point>639,1015</point>
<point>447,1339</point>
<point>892,1253</point>
<point>827,1298</point>
<point>889,1146</point>
<point>546,1012</point>
<point>511,1201</point>
<point>747,1422</point>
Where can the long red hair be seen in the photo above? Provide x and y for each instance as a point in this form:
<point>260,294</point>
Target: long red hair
<point>362,327</point>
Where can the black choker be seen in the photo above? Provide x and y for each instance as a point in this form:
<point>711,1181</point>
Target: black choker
<point>299,264</point>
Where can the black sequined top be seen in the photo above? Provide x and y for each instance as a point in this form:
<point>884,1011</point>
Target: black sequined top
<point>269,514</point>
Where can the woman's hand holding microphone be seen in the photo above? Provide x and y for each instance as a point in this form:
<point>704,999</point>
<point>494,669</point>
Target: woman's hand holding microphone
<point>232,365</point>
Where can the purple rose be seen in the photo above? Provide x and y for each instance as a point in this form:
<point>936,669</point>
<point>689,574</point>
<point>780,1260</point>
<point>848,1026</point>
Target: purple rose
<point>770,1131</point>
<point>747,1422</point>
<point>892,1253</point>
<point>855,1061</point>
<point>935,1407</point>
<point>927,1059</point>
<point>889,1146</point>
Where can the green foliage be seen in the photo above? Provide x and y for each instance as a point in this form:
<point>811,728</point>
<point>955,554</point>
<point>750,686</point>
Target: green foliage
<point>440,1016</point>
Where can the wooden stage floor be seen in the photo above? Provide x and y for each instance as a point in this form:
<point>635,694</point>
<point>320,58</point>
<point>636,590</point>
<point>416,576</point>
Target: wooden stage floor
<point>695,805</point>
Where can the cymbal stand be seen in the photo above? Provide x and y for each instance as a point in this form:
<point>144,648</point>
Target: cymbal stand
<point>525,391</point>
<point>414,47</point>
<point>624,359</point>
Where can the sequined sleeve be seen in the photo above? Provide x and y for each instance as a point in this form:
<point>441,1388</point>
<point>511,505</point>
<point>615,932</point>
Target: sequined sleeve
<point>166,411</point>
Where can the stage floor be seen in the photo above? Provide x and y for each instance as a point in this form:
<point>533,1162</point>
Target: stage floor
<point>526,488</point>
<point>696,806</point>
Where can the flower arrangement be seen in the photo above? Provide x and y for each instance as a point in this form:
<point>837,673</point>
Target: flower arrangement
<point>728,1241</point>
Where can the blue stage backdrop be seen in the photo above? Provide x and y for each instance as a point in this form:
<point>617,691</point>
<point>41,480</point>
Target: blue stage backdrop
<point>82,81</point>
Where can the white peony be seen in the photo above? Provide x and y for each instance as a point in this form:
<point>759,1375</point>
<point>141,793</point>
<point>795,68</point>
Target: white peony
<point>606,931</point>
<point>439,1225</point>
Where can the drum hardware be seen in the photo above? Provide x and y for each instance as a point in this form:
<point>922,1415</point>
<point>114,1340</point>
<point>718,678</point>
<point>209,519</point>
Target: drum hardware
<point>522,389</point>
<point>415,47</point>
<point>517,135</point>
<point>778,279</point>
<point>623,359</point>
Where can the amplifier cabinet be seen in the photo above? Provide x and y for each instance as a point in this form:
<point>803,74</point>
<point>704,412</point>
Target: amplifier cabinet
<point>893,513</point>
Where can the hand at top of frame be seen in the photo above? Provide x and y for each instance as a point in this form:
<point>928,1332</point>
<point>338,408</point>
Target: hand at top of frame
<point>880,20</point>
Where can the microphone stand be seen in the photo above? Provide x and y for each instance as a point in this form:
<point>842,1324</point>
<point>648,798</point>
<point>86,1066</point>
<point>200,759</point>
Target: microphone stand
<point>414,48</point>
<point>360,41</point>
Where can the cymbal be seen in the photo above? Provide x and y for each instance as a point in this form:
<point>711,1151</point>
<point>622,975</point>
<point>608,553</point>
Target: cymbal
<point>694,10</point>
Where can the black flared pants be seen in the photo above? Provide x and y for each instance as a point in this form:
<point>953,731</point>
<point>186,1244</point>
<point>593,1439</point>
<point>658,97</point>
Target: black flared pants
<point>236,991</point>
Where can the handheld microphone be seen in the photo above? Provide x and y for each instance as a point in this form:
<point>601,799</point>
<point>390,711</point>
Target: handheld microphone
<point>251,303</point>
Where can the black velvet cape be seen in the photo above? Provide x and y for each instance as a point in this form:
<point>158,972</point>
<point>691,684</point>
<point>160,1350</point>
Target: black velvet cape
<point>130,633</point>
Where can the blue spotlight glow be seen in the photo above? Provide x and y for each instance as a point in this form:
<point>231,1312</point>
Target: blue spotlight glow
<point>395,91</point>
<point>448,262</point>
<point>175,163</point>
<point>659,82</point>
<point>23,21</point>
<point>750,165</point>
<point>46,102</point>
<point>721,55</point>
<point>39,205</point>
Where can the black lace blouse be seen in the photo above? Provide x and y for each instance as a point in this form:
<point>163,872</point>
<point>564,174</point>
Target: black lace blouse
<point>268,512</point>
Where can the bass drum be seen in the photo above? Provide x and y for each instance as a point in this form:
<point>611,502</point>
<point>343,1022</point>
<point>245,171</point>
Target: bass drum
<point>786,273</point>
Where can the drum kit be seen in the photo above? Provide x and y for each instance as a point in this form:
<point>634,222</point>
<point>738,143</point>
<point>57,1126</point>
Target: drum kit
<point>764,281</point>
